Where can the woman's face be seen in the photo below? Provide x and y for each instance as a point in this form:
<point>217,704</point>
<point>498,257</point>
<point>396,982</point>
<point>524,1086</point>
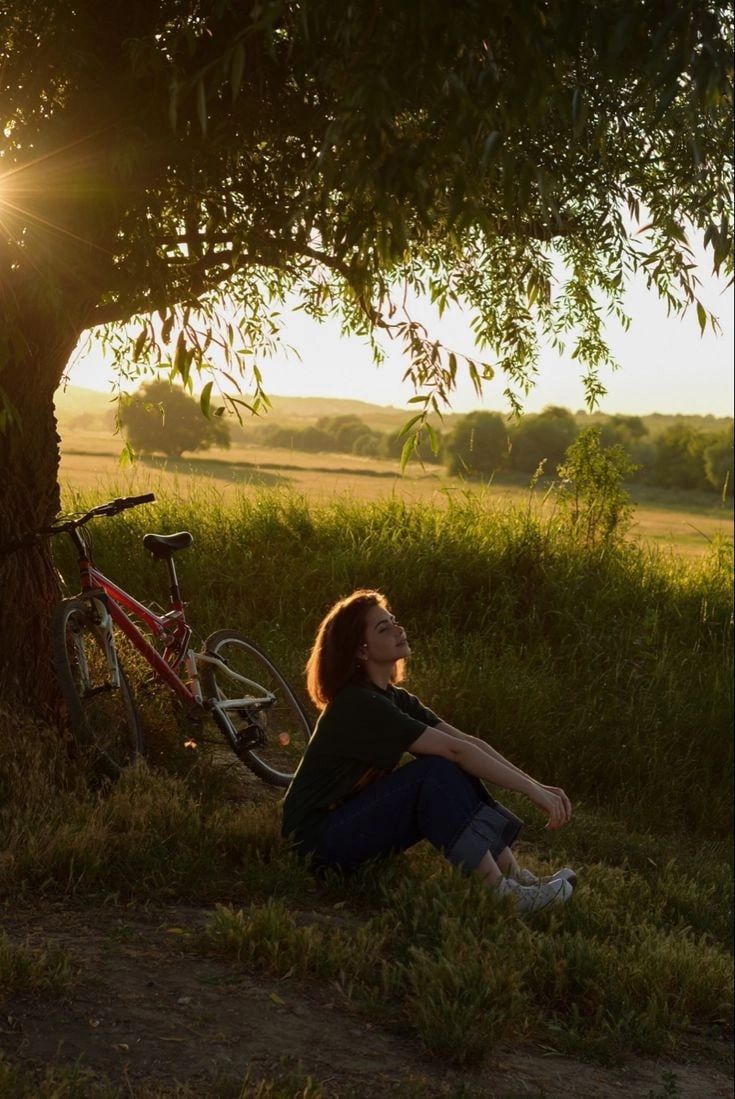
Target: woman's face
<point>385,639</point>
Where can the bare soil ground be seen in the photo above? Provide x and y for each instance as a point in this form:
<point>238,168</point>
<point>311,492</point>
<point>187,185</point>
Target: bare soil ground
<point>145,1006</point>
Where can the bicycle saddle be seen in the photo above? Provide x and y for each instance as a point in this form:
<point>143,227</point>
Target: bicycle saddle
<point>165,545</point>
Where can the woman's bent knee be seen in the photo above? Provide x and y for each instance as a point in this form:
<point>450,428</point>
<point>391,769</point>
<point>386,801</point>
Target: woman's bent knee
<point>440,770</point>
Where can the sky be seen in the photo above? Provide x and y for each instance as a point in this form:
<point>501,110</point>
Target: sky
<point>665,364</point>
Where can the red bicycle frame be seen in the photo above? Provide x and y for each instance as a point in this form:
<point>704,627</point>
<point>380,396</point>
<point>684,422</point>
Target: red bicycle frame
<point>170,628</point>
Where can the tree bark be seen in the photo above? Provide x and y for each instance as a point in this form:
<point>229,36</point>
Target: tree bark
<point>29,500</point>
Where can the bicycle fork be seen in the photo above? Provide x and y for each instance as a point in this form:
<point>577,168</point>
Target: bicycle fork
<point>102,621</point>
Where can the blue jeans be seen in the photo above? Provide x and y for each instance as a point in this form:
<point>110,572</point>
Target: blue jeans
<point>429,798</point>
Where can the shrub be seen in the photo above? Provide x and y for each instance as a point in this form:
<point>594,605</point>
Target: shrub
<point>162,418</point>
<point>594,506</point>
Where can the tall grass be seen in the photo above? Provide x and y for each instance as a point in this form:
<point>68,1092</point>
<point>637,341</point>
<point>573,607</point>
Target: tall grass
<point>607,671</point>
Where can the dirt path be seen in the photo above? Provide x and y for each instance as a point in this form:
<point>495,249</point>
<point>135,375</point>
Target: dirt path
<point>145,1007</point>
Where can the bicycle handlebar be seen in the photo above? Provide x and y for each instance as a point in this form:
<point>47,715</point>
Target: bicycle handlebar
<point>112,507</point>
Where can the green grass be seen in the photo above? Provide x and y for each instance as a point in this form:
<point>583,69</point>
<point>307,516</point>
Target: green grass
<point>78,1082</point>
<point>609,672</point>
<point>23,969</point>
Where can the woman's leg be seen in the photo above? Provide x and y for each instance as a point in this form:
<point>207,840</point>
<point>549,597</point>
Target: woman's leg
<point>427,799</point>
<point>489,871</point>
<point>507,863</point>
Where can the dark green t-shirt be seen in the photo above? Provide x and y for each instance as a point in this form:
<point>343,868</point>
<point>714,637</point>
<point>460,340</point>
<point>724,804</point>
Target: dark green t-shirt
<point>360,736</point>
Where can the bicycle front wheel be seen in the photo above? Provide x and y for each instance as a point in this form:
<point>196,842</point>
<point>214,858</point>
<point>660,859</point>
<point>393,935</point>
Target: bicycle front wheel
<point>270,721</point>
<point>103,717</point>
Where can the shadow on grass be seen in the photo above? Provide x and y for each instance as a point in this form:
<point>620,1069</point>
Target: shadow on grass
<point>263,473</point>
<point>236,472</point>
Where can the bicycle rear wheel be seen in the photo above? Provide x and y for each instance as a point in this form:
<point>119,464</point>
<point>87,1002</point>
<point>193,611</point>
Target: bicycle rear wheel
<point>272,723</point>
<point>103,717</point>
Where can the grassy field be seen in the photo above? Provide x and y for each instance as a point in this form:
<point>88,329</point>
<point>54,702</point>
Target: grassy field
<point>687,523</point>
<point>608,671</point>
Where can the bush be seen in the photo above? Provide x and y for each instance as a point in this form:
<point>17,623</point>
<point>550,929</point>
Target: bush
<point>162,418</point>
<point>592,501</point>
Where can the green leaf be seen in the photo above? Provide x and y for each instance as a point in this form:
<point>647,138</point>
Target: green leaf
<point>414,420</point>
<point>237,70</point>
<point>127,455</point>
<point>202,107</point>
<point>408,448</point>
<point>580,111</point>
<point>205,399</point>
<point>139,345</point>
<point>173,104</point>
<point>701,317</point>
<point>492,141</point>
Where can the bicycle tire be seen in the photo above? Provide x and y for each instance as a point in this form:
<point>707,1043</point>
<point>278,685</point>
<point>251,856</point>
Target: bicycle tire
<point>284,724</point>
<point>104,719</point>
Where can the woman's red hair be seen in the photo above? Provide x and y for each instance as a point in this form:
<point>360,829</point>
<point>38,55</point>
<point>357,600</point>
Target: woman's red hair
<point>333,661</point>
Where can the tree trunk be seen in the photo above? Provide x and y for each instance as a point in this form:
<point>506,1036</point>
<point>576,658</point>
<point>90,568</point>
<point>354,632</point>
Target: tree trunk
<point>29,500</point>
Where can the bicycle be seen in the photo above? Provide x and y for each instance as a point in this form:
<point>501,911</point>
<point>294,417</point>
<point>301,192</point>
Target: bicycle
<point>266,726</point>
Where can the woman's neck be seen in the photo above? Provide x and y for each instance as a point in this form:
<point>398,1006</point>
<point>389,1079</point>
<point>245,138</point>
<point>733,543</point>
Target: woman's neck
<point>380,674</point>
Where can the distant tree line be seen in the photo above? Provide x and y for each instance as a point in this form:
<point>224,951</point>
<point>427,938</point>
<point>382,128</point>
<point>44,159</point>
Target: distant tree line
<point>164,418</point>
<point>484,444</point>
<point>346,434</point>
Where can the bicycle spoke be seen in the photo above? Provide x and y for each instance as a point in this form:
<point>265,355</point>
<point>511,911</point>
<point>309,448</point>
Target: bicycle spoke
<point>102,714</point>
<point>271,723</point>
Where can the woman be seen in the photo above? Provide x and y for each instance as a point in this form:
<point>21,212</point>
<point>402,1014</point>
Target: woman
<point>349,801</point>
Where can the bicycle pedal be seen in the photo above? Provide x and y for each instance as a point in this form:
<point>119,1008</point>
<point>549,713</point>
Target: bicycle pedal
<point>252,736</point>
<point>104,688</point>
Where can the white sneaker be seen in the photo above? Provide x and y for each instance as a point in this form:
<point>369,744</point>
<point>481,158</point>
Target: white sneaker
<point>527,877</point>
<point>535,898</point>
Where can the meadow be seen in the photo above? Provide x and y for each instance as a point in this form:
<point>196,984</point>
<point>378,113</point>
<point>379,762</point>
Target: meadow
<point>607,670</point>
<point>685,522</point>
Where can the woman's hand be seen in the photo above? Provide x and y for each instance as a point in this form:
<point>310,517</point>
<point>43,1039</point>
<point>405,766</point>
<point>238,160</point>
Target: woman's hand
<point>560,793</point>
<point>551,803</point>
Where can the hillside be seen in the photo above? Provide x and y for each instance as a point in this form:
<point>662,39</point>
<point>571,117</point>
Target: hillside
<point>89,409</point>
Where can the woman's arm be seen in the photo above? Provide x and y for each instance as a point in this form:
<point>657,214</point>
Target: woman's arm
<point>466,754</point>
<point>445,727</point>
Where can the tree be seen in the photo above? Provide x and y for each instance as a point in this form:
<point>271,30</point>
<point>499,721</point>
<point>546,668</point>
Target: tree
<point>478,444</point>
<point>161,417</point>
<point>159,161</point>
<point>631,433</point>
<point>428,451</point>
<point>679,458</point>
<point>543,438</point>
<point>343,429</point>
<point>718,462</point>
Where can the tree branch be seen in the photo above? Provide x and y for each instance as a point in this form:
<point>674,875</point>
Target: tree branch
<point>286,246</point>
<point>119,312</point>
